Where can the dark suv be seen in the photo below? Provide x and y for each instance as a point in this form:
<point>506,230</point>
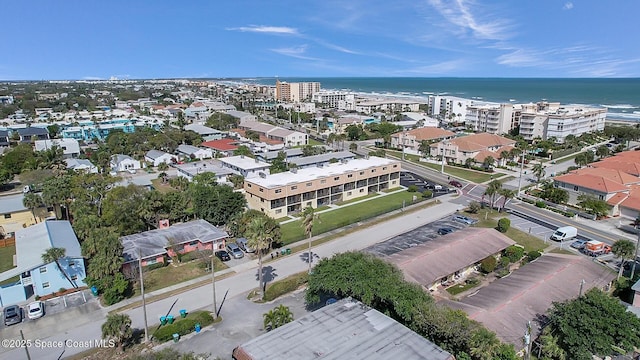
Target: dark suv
<point>12,315</point>
<point>455,183</point>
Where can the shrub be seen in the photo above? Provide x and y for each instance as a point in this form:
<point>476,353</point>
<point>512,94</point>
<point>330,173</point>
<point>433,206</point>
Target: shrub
<point>427,193</point>
<point>474,207</point>
<point>61,290</point>
<point>37,297</point>
<point>183,326</point>
<point>502,272</point>
<point>412,188</point>
<point>532,255</point>
<point>155,266</point>
<point>488,264</point>
<point>473,281</point>
<point>285,286</point>
<point>541,204</point>
<point>503,225</point>
<point>504,262</point>
<point>514,253</point>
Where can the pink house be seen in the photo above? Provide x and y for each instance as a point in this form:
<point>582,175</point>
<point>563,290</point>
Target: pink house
<point>155,246</point>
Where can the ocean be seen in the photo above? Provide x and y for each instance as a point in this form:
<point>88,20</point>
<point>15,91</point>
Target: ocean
<point>620,96</point>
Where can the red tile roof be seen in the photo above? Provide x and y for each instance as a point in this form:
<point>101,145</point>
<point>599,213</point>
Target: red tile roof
<point>623,164</point>
<point>592,182</point>
<point>221,145</point>
<point>477,142</point>
<point>426,133</point>
<point>611,174</point>
<point>617,198</point>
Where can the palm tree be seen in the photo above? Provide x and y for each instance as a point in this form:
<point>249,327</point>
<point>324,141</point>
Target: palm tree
<point>488,162</point>
<point>308,217</point>
<point>163,166</point>
<point>538,171</point>
<point>468,163</point>
<point>54,254</point>
<point>117,328</point>
<point>506,194</point>
<point>602,151</point>
<point>353,146</point>
<point>625,250</point>
<point>331,139</point>
<point>492,190</point>
<point>32,201</point>
<point>259,238</point>
<point>277,317</point>
<point>341,138</point>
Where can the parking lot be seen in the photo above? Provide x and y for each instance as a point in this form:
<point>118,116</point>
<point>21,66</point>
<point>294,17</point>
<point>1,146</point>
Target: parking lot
<point>414,237</point>
<point>408,178</point>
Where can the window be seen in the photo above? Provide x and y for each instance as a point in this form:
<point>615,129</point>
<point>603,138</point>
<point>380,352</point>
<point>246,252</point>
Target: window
<point>361,172</point>
<point>294,187</point>
<point>151,261</point>
<point>248,185</point>
<point>350,175</point>
<point>278,191</point>
<point>278,211</point>
<point>71,263</point>
<point>323,181</point>
<point>45,284</point>
<point>7,216</point>
<point>373,170</point>
<point>74,277</point>
<point>575,188</point>
<point>309,184</point>
<point>194,243</point>
<point>336,178</point>
<point>261,190</point>
<point>43,270</point>
<point>384,168</point>
<point>395,166</point>
<point>361,190</point>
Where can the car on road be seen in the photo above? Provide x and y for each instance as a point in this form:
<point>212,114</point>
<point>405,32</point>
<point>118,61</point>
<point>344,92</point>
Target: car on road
<point>12,315</point>
<point>235,251</point>
<point>223,255</point>
<point>578,244</point>
<point>455,183</point>
<point>464,219</point>
<point>35,310</point>
<point>445,230</point>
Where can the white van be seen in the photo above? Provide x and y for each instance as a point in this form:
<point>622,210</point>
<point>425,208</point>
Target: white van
<point>564,233</point>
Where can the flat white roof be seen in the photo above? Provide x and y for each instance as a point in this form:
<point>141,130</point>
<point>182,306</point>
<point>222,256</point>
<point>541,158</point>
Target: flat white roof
<point>313,173</point>
<point>245,162</point>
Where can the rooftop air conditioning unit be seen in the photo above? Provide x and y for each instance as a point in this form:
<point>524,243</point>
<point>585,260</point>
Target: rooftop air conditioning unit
<point>294,170</point>
<point>262,175</point>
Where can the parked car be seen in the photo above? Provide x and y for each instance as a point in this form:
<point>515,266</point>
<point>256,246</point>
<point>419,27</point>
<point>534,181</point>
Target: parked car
<point>35,310</point>
<point>578,244</point>
<point>455,183</point>
<point>235,251</point>
<point>464,219</point>
<point>445,230</point>
<point>12,315</point>
<point>223,255</point>
<point>243,244</point>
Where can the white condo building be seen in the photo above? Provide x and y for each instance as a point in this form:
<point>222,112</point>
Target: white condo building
<point>492,118</point>
<point>340,100</point>
<point>449,107</point>
<point>550,120</point>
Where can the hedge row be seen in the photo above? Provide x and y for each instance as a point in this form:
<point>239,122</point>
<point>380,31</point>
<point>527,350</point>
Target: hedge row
<point>183,326</point>
<point>285,286</point>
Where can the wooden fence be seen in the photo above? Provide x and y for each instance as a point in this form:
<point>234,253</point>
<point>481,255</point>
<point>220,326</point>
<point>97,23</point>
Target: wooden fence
<point>7,242</point>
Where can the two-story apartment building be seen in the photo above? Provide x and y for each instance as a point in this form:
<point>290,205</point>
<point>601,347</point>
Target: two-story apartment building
<point>70,147</point>
<point>282,194</point>
<point>411,139</point>
<point>477,147</point>
<point>36,277</point>
<point>246,166</point>
<point>191,169</point>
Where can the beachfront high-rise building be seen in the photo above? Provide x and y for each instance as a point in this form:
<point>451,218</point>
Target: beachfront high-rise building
<point>295,92</point>
<point>340,100</point>
<point>550,120</point>
<point>449,108</point>
<point>492,118</point>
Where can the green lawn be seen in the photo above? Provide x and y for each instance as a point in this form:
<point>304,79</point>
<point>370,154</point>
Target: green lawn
<point>314,142</point>
<point>6,257</point>
<point>360,198</point>
<point>568,158</point>
<point>159,186</point>
<point>459,288</point>
<point>398,154</point>
<point>347,215</point>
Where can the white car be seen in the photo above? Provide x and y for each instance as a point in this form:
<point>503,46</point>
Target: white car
<point>35,310</point>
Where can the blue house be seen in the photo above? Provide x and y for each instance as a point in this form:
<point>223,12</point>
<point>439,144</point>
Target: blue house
<point>36,277</point>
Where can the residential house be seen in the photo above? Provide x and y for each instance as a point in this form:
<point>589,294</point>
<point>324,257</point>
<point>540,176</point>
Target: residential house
<point>226,147</point>
<point>191,169</point>
<point>246,166</point>
<point>476,147</point>
<point>124,163</point>
<point>154,246</point>
<point>412,139</point>
<point>192,152</point>
<point>321,160</point>
<point>605,184</point>
<point>206,132</point>
<point>157,157</point>
<point>346,329</point>
<point>84,165</point>
<point>32,133</point>
<point>274,133</point>
<point>14,215</point>
<point>269,156</point>
<point>241,115</point>
<point>262,144</point>
<point>70,147</point>
<point>35,276</point>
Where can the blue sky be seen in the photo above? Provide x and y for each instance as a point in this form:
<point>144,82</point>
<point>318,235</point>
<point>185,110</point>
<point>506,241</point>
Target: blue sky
<point>87,39</point>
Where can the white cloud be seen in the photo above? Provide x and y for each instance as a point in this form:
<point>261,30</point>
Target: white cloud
<point>460,14</point>
<point>297,52</point>
<point>568,5</point>
<point>277,30</point>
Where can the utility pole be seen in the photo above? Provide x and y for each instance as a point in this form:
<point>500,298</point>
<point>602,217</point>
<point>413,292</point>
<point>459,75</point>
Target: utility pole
<point>144,302</point>
<point>527,341</point>
<point>582,282</point>
<point>442,166</point>
<point>403,145</point>
<point>213,285</point>
<point>310,255</point>
<point>521,169</point>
